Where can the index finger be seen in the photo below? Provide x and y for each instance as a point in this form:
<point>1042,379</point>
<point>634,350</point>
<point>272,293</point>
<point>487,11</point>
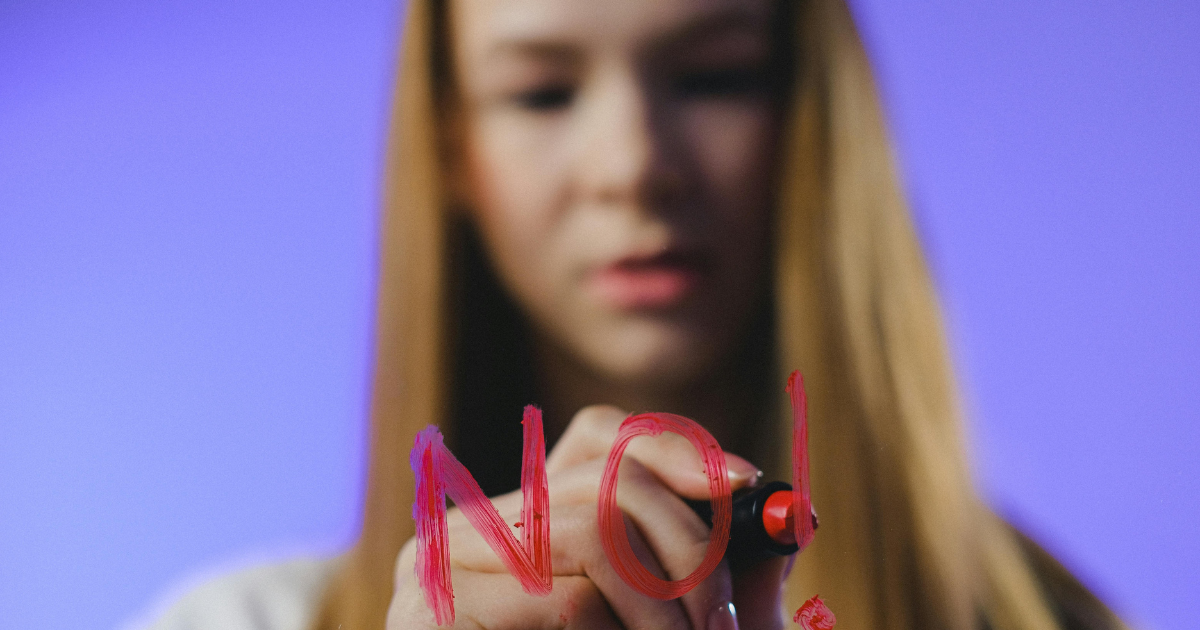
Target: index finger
<point>670,457</point>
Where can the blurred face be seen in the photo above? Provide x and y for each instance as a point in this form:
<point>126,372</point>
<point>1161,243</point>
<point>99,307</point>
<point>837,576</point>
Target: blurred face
<point>617,159</point>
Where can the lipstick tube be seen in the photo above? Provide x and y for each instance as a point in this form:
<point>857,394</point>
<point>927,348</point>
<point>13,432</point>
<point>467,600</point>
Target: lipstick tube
<point>762,524</point>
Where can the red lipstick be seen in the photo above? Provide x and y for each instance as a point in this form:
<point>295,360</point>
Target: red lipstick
<point>641,282</point>
<point>762,523</point>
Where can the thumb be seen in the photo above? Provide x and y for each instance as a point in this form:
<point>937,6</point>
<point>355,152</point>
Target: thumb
<point>758,594</point>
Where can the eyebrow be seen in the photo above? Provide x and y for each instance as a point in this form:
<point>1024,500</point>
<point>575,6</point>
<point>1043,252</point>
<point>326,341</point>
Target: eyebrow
<point>729,20</point>
<point>701,27</point>
<point>547,50</point>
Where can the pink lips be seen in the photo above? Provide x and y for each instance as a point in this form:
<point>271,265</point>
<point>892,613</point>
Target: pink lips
<point>649,282</point>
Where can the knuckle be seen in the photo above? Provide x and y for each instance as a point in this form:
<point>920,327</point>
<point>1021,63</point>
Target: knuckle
<point>698,548</point>
<point>599,419</point>
<point>405,561</point>
<point>590,432</point>
<point>580,600</point>
<point>632,470</point>
<point>578,590</point>
<point>583,529</point>
<point>575,541</point>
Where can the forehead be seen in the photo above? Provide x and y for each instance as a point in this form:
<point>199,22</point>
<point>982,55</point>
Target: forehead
<point>487,27</point>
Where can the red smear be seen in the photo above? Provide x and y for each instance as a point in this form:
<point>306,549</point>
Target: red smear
<point>429,510</point>
<point>613,536</point>
<point>801,492</point>
<point>815,615</point>
<point>439,473</point>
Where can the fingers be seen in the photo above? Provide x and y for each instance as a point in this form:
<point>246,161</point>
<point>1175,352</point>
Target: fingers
<point>668,538</point>
<point>580,551</point>
<point>758,594</point>
<point>676,539</point>
<point>575,552</point>
<point>498,603</point>
<point>710,599</point>
<point>671,457</point>
<point>589,436</point>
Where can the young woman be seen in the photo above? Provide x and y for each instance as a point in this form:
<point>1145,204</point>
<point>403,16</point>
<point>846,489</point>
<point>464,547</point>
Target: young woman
<point>665,206</point>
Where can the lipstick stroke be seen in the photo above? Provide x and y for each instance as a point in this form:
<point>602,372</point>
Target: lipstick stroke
<point>814,615</point>
<point>615,539</point>
<point>804,527</point>
<point>439,474</point>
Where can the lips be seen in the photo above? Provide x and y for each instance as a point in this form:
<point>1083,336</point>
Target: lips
<point>650,282</point>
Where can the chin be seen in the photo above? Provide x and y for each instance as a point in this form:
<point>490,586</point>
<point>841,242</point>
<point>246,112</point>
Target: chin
<point>654,356</point>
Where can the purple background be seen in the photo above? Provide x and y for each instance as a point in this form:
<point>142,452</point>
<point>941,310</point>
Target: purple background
<point>187,207</point>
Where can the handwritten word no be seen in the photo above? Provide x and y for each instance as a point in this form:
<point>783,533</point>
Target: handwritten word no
<point>439,473</point>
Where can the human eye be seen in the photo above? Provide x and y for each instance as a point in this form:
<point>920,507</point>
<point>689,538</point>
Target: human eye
<point>546,98</point>
<point>721,82</point>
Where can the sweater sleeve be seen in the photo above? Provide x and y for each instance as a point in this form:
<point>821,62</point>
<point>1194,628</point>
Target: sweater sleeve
<point>280,596</point>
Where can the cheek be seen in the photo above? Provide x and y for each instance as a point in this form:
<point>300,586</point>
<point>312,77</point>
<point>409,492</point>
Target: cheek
<point>733,148</point>
<point>510,176</point>
<point>732,145</point>
<point>515,198</point>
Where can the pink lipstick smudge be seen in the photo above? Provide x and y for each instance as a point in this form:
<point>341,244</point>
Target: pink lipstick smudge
<point>801,488</point>
<point>815,615</point>
<point>613,536</point>
<point>439,473</point>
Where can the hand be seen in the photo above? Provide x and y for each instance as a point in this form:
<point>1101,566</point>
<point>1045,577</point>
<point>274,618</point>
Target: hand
<point>667,536</point>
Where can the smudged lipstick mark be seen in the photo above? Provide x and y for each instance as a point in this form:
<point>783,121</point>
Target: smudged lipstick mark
<point>439,474</point>
<point>815,615</point>
<point>801,489</point>
<point>613,536</point>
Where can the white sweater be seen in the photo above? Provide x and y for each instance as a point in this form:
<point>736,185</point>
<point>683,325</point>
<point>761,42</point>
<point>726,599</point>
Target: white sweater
<point>281,596</point>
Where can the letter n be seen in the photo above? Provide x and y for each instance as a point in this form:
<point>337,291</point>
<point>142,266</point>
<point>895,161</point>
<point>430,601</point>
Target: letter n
<point>439,474</point>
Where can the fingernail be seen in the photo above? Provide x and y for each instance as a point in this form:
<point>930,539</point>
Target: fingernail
<point>723,617</point>
<point>739,479</point>
<point>742,472</point>
<point>744,478</point>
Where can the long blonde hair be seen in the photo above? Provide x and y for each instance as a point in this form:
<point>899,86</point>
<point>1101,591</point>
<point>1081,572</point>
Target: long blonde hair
<point>904,541</point>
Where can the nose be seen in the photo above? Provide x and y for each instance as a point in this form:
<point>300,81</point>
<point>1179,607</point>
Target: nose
<point>631,157</point>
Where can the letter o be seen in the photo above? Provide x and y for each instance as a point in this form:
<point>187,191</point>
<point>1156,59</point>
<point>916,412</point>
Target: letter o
<point>615,539</point>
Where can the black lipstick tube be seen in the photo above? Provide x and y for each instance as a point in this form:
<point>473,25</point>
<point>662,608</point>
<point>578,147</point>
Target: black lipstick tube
<point>749,542</point>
